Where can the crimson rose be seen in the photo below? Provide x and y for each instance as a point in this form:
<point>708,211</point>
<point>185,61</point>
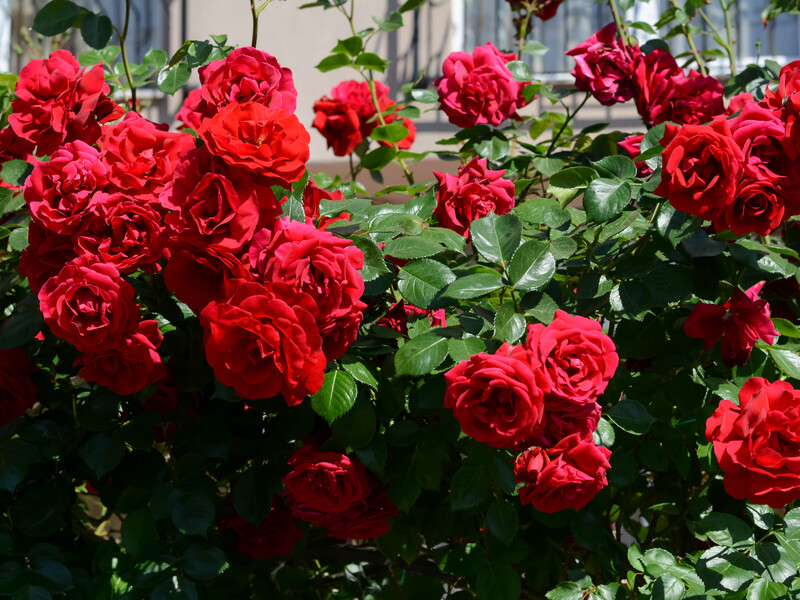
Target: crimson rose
<point>17,390</point>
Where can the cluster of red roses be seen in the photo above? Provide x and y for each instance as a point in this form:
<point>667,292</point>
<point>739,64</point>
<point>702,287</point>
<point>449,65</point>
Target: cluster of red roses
<point>349,116</point>
<point>541,397</point>
<point>739,172</point>
<point>268,290</point>
<point>757,443</point>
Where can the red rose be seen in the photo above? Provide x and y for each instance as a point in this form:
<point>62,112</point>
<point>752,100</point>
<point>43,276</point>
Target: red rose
<point>58,192</point>
<point>578,359</point>
<point>702,165</point>
<point>363,520</point>
<point>196,273</point>
<point>478,87</point>
<point>565,418</point>
<point>357,96</point>
<point>263,342</point>
<point>653,77</point>
<point>473,193</point>
<point>59,102</point>
<point>17,391</point>
<point>246,75</point>
<point>188,115</point>
<point>46,254</point>
<point>757,206</point>
<point>140,155</point>
<point>407,141</point>
<point>742,320</point>
<point>568,475</point>
<point>252,136</point>
<point>398,314</point>
<point>89,305</point>
<point>631,145</point>
<point>321,265</point>
<point>497,398</point>
<point>123,231</point>
<point>757,442</point>
<point>216,204</point>
<point>543,9</point>
<point>604,66</point>
<point>339,124</point>
<point>275,535</point>
<point>12,146</point>
<point>312,196</point>
<point>129,367</point>
<point>693,99</point>
<point>325,481</point>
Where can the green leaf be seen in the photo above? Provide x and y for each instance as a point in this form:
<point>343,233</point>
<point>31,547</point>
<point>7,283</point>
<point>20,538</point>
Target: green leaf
<point>192,512</point>
<point>496,237</point>
<point>567,184</point>
<point>787,361</point>
<point>18,240</point>
<point>411,247</point>
<point>252,495</point>
<point>604,199</point>
<point>155,58</point>
<point>410,5</point>
<point>464,348</point>
<point>392,23</point>
<point>172,79</point>
<point>334,61</point>
<point>499,582</point>
<point>424,96</point>
<point>563,247</point>
<point>16,456</point>
<point>138,531</point>
<point>24,324</point>
<point>371,62</point>
<point>96,30</point>
<point>520,70</point>
<point>356,428</point>
<point>56,17</point>
<point>470,488</point>
<point>532,266</point>
<point>508,324</point>
<point>33,592</point>
<point>392,133</point>
<point>352,46</point>
<point>421,280</point>
<point>374,265</point>
<point>175,588</point>
<point>725,530</point>
<point>336,397</point>
<point>652,139</point>
<point>378,158</point>
<point>503,520</point>
<point>15,172</point>
<point>617,166</point>
<point>535,48</point>
<point>630,416</point>
<point>763,589</point>
<point>421,355</point>
<point>495,148</point>
<point>204,561</point>
<point>102,452</point>
<point>473,286</point>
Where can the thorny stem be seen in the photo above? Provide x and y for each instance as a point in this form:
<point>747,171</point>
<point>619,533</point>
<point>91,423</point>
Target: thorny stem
<point>728,46</point>
<point>570,116</point>
<point>622,31</point>
<point>523,30</point>
<point>122,37</point>
<point>687,34</point>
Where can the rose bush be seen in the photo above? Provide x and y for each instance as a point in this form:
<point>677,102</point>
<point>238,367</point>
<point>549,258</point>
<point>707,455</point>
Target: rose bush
<point>562,366</point>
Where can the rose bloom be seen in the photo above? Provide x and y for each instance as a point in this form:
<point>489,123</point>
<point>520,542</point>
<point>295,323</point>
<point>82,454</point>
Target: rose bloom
<point>497,398</point>
<point>58,102</point>
<point>568,475</point>
<point>140,155</point>
<point>325,481</point>
<point>364,519</point>
<point>742,320</point>
<point>252,136</point>
<point>631,145</point>
<point>321,265</point>
<point>473,193</point>
<point>604,66</point>
<point>213,203</point>
<point>123,231</point>
<point>478,87</point>
<point>18,392</point>
<point>196,273</point>
<point>339,124</point>
<point>564,419</point>
<point>701,167</point>
<point>46,253</point>
<point>129,367</point>
<point>578,359</point>
<point>312,196</point>
<point>757,443</point>
<point>59,192</point>
<point>398,314</point>
<point>263,341</point>
<point>89,305</point>
<point>757,206</point>
<point>357,96</point>
<point>275,535</point>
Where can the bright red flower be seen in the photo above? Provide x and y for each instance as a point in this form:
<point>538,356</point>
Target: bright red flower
<point>339,124</point>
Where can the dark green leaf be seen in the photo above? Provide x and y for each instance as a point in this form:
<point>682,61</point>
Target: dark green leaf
<point>56,17</point>
<point>371,61</point>
<point>175,588</point>
<point>495,148</point>
<point>421,280</point>
<point>496,237</point>
<point>392,133</point>
<point>473,286</point>
<point>378,158</point>
<point>193,512</point>
<point>499,582</point>
<point>334,61</point>
<point>567,184</point>
<point>410,5</point>
<point>725,530</point>
<point>421,355</point>
<point>356,428</point>
<point>96,30</point>
<point>470,488</point>
<point>630,416</point>
<point>532,266</point>
<point>24,324</point>
<point>508,324</point>
<point>462,349</point>
<point>786,360</point>
<point>204,561</point>
<point>33,592</point>
<point>336,397</point>
<point>502,520</point>
<point>604,199</point>
<point>252,495</point>
<point>374,265</point>
<point>102,452</point>
<point>138,531</point>
<point>620,167</point>
<point>16,456</point>
<point>410,247</point>
<point>352,46</point>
